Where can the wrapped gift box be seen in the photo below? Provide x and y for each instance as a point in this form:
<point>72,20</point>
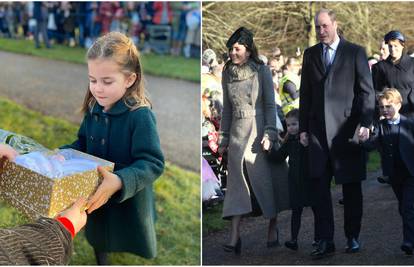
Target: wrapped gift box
<point>39,195</point>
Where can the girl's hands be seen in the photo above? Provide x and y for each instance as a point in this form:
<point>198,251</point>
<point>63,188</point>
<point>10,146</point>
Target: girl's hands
<point>110,184</point>
<point>8,152</point>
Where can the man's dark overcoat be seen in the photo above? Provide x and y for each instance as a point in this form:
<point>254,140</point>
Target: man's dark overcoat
<point>332,104</point>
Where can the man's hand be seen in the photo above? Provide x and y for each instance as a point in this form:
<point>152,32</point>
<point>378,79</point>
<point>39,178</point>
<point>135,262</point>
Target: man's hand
<point>304,139</point>
<point>363,134</point>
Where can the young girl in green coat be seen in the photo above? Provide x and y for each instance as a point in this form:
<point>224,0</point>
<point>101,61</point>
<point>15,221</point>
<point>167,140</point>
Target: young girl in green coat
<point>119,126</point>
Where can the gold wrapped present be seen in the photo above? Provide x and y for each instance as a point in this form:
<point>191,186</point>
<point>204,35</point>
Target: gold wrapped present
<point>38,195</point>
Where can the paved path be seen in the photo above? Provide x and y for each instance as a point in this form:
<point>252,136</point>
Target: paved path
<point>57,88</point>
<point>381,236</point>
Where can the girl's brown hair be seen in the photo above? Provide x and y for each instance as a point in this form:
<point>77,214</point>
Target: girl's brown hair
<point>118,47</point>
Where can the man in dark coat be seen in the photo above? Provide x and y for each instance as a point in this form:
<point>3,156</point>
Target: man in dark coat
<point>336,96</point>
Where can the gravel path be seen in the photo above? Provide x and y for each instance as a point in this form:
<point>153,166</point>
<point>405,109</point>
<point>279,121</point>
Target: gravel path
<point>57,88</point>
<point>381,236</point>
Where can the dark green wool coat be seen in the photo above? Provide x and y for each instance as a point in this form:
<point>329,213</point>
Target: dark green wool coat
<point>126,223</point>
<point>298,180</point>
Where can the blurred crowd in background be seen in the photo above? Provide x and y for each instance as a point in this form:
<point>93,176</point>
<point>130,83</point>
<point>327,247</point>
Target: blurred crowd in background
<point>160,27</point>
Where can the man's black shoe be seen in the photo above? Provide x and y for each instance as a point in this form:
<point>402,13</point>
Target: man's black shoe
<point>341,201</point>
<point>292,244</point>
<point>315,243</point>
<point>352,245</point>
<point>383,180</point>
<point>325,248</point>
<point>407,248</point>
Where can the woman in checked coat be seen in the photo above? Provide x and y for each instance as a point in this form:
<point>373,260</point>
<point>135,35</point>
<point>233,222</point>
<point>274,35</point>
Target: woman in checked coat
<point>255,185</point>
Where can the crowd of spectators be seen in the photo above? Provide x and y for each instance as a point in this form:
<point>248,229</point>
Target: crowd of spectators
<point>161,27</point>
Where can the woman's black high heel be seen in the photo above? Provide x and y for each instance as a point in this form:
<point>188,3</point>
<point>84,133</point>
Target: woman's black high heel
<point>236,249</point>
<point>275,243</point>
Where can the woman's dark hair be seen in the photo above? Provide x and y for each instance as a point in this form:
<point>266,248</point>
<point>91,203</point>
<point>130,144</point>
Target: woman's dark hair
<point>244,37</point>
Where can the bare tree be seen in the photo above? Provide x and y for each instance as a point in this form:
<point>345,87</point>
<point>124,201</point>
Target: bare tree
<point>291,24</point>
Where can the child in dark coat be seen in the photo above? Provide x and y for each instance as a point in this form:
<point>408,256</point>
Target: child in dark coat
<point>297,176</point>
<point>394,138</point>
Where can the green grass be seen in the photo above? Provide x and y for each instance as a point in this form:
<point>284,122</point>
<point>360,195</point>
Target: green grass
<point>177,195</point>
<point>157,65</point>
<point>374,161</point>
<point>212,221</point>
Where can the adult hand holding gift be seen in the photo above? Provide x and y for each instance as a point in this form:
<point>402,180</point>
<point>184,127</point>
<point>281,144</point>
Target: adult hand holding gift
<point>111,183</point>
<point>19,245</point>
<point>8,152</point>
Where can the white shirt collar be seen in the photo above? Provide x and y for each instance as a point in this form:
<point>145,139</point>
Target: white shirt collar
<point>396,121</point>
<point>335,44</point>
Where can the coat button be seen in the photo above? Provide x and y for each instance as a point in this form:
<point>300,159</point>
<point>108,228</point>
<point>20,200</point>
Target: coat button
<point>103,141</point>
<point>91,138</point>
<point>106,121</point>
<point>96,117</point>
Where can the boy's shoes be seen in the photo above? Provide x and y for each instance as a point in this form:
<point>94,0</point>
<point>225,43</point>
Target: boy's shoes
<point>341,201</point>
<point>383,180</point>
<point>407,248</point>
<point>352,245</point>
<point>292,244</point>
<point>324,249</point>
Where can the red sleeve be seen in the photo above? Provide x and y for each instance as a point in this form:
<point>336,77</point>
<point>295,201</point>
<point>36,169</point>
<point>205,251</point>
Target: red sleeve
<point>68,225</point>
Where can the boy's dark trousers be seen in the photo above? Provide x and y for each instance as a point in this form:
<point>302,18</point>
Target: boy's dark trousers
<point>404,191</point>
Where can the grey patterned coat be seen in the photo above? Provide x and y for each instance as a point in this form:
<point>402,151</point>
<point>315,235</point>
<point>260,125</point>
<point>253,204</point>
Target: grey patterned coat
<point>44,242</point>
<point>249,115</point>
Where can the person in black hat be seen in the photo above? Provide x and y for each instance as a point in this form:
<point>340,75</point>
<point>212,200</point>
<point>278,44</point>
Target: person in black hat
<point>247,131</point>
<point>397,72</point>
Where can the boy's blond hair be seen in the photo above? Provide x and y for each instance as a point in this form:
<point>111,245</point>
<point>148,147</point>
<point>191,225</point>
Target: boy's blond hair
<point>391,95</point>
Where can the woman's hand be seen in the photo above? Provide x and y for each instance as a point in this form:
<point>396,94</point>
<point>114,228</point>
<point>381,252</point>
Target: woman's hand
<point>110,184</point>
<point>8,152</point>
<point>266,144</point>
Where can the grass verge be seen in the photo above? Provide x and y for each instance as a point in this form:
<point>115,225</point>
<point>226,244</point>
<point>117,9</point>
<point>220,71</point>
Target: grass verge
<point>157,65</point>
<point>177,196</point>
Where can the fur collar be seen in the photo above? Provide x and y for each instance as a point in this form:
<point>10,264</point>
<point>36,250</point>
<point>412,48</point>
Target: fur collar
<point>242,72</point>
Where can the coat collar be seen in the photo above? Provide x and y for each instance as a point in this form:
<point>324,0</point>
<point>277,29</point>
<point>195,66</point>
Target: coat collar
<point>404,63</point>
<point>338,54</point>
<point>117,109</point>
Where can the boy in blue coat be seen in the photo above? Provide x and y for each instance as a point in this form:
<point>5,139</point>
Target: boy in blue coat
<point>394,139</point>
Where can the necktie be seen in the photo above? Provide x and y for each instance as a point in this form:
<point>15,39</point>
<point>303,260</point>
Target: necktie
<point>327,58</point>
